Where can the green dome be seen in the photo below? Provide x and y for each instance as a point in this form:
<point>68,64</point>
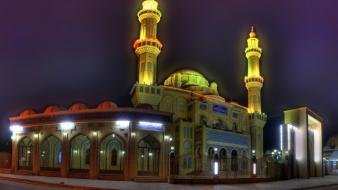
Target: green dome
<point>191,80</point>
<point>186,78</point>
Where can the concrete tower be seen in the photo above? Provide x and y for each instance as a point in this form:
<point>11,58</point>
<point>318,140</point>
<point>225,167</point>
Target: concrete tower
<point>148,47</point>
<point>254,83</point>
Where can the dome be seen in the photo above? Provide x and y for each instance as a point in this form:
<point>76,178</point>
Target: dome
<point>186,78</point>
<point>191,80</point>
<point>107,105</point>
<point>52,109</point>
<point>78,107</point>
<point>27,113</point>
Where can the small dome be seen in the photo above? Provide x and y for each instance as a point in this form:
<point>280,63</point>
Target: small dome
<point>27,113</point>
<point>107,105</point>
<point>52,109</point>
<point>78,107</point>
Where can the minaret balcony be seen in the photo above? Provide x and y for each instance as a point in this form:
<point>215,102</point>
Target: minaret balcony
<point>252,51</point>
<point>254,79</point>
<point>258,116</point>
<point>253,82</point>
<point>146,13</point>
<point>148,45</point>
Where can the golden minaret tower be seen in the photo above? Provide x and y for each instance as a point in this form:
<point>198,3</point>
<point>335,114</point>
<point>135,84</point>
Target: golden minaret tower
<point>254,80</point>
<point>254,83</point>
<point>148,47</point>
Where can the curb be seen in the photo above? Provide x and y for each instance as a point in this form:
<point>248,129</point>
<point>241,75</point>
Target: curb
<point>37,182</point>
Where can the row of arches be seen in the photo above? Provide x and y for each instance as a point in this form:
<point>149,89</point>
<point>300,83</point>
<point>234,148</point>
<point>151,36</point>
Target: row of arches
<point>111,154</point>
<point>232,162</point>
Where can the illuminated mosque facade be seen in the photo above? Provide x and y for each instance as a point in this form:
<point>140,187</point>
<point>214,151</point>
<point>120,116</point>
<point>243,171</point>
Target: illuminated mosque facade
<point>182,128</point>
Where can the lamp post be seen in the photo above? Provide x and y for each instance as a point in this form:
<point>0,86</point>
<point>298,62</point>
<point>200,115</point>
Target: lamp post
<point>254,165</point>
<point>172,163</point>
<point>216,165</point>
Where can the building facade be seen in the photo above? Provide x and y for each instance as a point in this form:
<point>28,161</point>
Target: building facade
<point>106,142</point>
<point>181,128</point>
<point>330,156</point>
<point>301,143</point>
<point>212,136</point>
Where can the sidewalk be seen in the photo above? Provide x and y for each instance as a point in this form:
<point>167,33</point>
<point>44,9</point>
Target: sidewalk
<point>130,185</point>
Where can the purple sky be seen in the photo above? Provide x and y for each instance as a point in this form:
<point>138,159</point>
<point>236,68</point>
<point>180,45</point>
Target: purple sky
<point>66,51</point>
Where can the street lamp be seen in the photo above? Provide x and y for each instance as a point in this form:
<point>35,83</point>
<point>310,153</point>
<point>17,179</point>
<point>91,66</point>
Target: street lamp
<point>254,166</point>
<point>216,165</point>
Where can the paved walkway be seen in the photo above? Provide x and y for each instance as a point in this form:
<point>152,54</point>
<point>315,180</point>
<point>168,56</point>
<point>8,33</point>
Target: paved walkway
<point>130,185</point>
<point>12,185</point>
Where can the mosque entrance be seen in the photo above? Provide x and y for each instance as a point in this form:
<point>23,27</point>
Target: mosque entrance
<point>148,157</point>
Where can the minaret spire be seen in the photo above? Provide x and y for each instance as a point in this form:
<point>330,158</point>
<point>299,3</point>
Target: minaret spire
<point>148,47</point>
<point>253,32</point>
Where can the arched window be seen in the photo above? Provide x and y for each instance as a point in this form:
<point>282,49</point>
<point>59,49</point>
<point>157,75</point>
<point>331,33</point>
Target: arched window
<point>203,121</point>
<point>244,162</point>
<point>80,153</point>
<point>198,164</point>
<point>112,154</point>
<point>50,153</point>
<point>217,124</point>
<point>211,153</point>
<point>148,157</point>
<point>25,148</point>
<point>234,126</point>
<point>234,161</point>
<point>187,162</point>
<point>223,160</point>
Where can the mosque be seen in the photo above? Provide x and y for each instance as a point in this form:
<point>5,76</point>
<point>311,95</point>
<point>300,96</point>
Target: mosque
<point>182,128</point>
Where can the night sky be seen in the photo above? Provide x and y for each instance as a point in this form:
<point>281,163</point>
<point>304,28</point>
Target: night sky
<point>67,51</point>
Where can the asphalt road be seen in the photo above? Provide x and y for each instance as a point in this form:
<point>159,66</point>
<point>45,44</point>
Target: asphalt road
<point>326,188</point>
<point>11,185</point>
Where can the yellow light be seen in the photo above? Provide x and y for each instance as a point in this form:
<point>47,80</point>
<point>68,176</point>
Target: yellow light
<point>150,5</point>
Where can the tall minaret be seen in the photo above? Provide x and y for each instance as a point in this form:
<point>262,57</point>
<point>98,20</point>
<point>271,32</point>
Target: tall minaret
<point>254,83</point>
<point>148,47</point>
<point>254,80</point>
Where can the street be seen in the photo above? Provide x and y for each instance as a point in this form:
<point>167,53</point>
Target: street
<point>335,187</point>
<point>328,183</point>
<point>10,185</point>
